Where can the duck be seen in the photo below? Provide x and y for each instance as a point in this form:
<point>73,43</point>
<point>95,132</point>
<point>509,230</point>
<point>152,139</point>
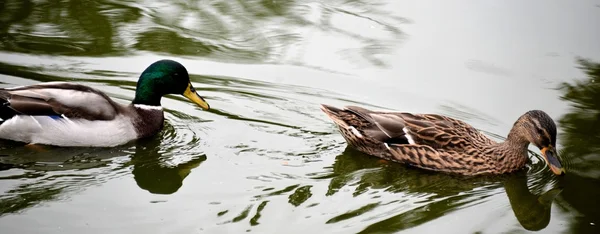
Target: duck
<point>74,115</point>
<point>443,144</point>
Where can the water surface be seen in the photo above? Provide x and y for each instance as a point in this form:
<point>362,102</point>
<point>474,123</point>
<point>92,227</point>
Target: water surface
<point>266,159</point>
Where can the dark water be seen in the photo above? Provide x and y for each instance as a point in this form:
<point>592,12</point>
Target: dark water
<point>265,159</point>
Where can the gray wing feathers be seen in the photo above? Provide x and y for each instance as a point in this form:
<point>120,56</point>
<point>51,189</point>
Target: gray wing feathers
<point>73,101</point>
<point>385,126</point>
<point>391,125</point>
<point>30,105</point>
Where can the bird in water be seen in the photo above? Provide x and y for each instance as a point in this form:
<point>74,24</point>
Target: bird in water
<point>440,143</point>
<point>75,115</point>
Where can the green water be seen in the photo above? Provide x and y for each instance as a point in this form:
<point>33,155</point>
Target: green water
<point>265,159</point>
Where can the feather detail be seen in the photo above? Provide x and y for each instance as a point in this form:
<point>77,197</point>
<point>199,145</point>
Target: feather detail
<point>65,114</point>
<point>408,136</point>
<point>427,141</point>
<point>356,132</point>
<point>61,99</point>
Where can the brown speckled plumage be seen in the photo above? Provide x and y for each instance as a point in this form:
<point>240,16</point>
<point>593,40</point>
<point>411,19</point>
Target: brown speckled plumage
<point>440,143</point>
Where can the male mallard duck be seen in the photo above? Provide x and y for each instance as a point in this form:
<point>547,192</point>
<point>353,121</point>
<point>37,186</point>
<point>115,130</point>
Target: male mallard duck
<point>440,143</point>
<point>67,114</point>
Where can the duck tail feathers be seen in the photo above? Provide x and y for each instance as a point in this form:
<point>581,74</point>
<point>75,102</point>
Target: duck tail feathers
<point>334,114</point>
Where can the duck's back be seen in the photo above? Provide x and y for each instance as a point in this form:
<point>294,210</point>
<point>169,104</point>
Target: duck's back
<point>57,99</point>
<point>444,133</point>
<point>63,114</point>
<point>426,141</point>
<point>437,131</point>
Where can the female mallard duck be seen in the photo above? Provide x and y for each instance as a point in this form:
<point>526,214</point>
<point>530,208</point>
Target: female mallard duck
<point>66,114</point>
<point>440,143</point>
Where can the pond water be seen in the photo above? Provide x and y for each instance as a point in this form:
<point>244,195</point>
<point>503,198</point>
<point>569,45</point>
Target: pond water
<point>265,159</point>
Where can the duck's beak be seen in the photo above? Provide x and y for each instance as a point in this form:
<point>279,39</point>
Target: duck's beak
<point>190,93</point>
<point>552,160</point>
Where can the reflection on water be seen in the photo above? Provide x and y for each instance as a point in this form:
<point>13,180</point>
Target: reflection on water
<point>46,173</point>
<point>151,171</point>
<point>51,171</point>
<point>581,126</point>
<point>244,31</point>
<point>437,194</point>
<point>532,211</point>
<point>581,134</point>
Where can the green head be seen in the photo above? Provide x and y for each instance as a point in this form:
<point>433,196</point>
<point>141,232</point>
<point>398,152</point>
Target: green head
<point>165,77</point>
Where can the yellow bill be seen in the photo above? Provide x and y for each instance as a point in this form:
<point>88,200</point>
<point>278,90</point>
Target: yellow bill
<point>190,93</point>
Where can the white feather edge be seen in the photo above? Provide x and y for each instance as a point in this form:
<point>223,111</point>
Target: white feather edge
<point>408,136</point>
<point>147,107</point>
<point>355,132</point>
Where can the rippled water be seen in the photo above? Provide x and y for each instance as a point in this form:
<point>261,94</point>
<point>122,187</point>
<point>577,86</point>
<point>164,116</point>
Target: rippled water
<point>266,159</point>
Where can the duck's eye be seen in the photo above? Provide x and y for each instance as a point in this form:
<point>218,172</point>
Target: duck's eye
<point>539,131</point>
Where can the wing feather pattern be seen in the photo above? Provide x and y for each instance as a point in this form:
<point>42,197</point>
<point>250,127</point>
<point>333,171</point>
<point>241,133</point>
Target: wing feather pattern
<point>427,141</point>
<point>57,99</point>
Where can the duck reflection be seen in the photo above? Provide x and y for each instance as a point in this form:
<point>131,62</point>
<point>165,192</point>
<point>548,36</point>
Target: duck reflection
<point>531,210</point>
<point>150,170</point>
<point>153,174</point>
